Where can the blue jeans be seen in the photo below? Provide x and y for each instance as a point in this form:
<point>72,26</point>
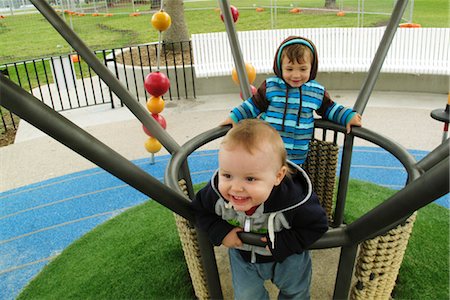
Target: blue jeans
<point>292,277</point>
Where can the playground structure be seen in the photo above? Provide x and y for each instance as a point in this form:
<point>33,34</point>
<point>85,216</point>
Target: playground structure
<point>427,180</point>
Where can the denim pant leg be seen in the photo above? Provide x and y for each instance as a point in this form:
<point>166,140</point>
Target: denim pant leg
<point>293,276</point>
<point>248,281</point>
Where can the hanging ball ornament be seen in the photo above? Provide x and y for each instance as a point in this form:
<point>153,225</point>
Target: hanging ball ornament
<point>234,13</point>
<point>152,145</point>
<point>156,83</point>
<point>160,119</point>
<point>251,73</point>
<point>155,105</point>
<point>161,20</point>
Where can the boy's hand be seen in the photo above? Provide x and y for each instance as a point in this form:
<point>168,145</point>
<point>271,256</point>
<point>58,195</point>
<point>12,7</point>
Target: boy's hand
<point>228,121</point>
<point>232,240</point>
<point>355,121</point>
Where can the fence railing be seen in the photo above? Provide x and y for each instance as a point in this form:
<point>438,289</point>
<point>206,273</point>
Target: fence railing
<point>66,82</point>
<point>413,50</point>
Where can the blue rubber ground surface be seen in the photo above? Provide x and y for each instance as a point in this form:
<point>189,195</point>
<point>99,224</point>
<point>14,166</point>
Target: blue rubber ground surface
<point>38,221</point>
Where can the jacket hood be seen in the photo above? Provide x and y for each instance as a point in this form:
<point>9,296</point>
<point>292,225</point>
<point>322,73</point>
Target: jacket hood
<point>295,190</point>
<point>296,40</point>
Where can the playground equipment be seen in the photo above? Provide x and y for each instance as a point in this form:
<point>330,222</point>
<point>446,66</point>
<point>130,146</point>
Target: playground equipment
<point>157,84</point>
<point>382,240</point>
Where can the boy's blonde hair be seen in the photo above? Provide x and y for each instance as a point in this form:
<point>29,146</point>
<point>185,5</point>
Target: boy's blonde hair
<point>253,134</point>
<point>297,52</point>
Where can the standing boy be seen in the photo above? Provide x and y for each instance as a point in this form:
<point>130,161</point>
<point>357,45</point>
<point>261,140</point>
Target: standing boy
<point>287,101</point>
<point>255,190</point>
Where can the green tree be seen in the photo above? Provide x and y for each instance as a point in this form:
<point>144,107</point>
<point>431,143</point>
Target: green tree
<point>178,31</point>
<point>330,3</point>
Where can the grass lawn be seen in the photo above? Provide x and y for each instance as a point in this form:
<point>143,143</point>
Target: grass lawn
<point>138,255</point>
<point>31,36</point>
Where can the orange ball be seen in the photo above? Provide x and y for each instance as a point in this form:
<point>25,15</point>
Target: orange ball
<point>161,20</point>
<point>155,105</point>
<point>251,74</point>
<point>152,145</point>
<point>340,13</point>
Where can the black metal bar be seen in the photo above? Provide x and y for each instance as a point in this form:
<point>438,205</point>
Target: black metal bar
<point>345,272</point>
<point>167,69</point>
<point>209,265</point>
<point>74,79</point>
<point>100,80</point>
<point>17,74</point>
<point>37,79</point>
<point>380,55</point>
<point>124,69</point>
<point>65,81</point>
<point>48,84</point>
<point>92,86</point>
<point>82,83</point>
<point>184,69</point>
<point>134,71</point>
<point>344,176</point>
<point>175,71</point>
<point>27,107</point>
<point>55,78</point>
<point>142,71</point>
<point>28,77</point>
<point>192,69</point>
<point>3,120</point>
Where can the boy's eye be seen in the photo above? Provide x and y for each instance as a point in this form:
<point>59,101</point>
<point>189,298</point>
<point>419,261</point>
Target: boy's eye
<point>250,179</point>
<point>226,175</point>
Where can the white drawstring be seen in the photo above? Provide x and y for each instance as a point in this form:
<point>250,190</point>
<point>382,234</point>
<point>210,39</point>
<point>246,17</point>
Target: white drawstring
<point>271,229</point>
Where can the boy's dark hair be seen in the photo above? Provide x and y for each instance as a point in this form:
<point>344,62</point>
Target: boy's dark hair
<point>297,52</point>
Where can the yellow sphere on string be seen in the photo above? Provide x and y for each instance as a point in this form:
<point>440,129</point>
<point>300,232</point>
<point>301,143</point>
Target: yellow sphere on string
<point>152,145</point>
<point>161,20</point>
<point>155,105</point>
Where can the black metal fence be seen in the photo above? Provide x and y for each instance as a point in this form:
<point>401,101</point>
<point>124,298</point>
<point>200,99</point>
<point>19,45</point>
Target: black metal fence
<point>67,82</point>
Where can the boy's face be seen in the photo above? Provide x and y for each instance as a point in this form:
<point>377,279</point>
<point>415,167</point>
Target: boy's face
<point>294,73</point>
<point>246,180</point>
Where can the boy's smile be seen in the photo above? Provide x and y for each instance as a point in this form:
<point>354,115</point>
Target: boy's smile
<point>247,179</point>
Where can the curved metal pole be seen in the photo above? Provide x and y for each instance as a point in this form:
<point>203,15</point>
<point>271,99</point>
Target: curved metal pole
<point>29,108</point>
<point>103,72</point>
<point>380,55</point>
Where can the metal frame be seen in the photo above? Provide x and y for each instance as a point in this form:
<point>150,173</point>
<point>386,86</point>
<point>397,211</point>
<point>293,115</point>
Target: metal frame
<point>427,179</point>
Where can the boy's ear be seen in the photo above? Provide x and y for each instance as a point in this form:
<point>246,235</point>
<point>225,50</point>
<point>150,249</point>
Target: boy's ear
<point>280,175</point>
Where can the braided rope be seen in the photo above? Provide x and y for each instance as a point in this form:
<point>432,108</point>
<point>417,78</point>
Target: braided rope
<point>189,242</point>
<point>379,262</point>
<point>321,166</point>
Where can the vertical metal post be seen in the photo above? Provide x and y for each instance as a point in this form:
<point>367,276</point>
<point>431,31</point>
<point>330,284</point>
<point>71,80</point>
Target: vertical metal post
<point>380,55</point>
<point>235,48</point>
<point>345,272</point>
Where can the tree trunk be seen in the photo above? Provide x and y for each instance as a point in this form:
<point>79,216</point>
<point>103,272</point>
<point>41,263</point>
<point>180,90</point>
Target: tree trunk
<point>330,3</point>
<point>178,31</point>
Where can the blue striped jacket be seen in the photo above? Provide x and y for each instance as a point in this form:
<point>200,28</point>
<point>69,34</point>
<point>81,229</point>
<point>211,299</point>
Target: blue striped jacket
<point>290,111</point>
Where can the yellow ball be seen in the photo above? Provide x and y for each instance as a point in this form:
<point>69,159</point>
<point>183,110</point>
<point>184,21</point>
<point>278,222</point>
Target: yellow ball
<point>155,105</point>
<point>152,145</point>
<point>251,74</point>
<point>161,20</point>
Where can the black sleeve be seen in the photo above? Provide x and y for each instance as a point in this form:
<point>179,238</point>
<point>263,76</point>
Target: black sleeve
<point>309,223</point>
<point>206,218</point>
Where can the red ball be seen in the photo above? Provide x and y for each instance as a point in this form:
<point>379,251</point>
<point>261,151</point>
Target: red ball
<point>160,119</point>
<point>156,84</point>
<point>234,13</point>
<point>253,89</point>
